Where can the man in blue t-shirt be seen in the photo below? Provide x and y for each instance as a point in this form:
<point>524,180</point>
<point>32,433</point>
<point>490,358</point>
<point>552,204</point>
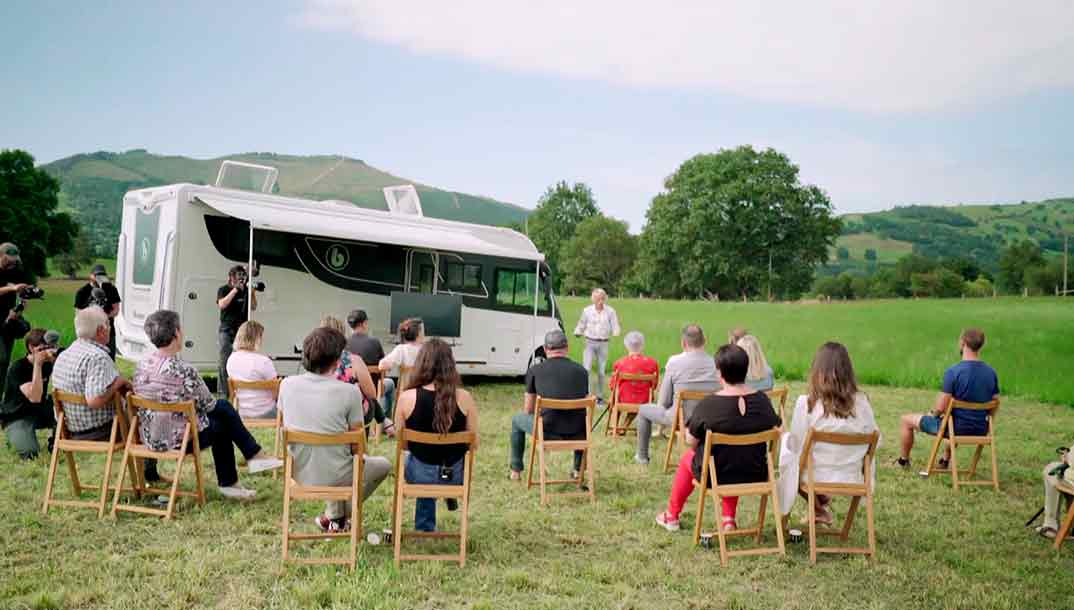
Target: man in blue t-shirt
<point>971,380</point>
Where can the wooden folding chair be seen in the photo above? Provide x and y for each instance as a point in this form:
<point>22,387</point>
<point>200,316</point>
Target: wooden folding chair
<point>779,394</point>
<point>293,490</point>
<point>620,410</point>
<point>276,423</point>
<point>856,491</point>
<point>378,375</point>
<point>709,485</point>
<point>678,423</point>
<point>404,490</point>
<point>135,450</point>
<point>69,447</point>
<point>1066,489</point>
<point>541,446</point>
<point>946,433</point>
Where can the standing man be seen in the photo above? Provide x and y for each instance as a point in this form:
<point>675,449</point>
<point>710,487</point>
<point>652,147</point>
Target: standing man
<point>231,298</point>
<point>597,324</point>
<point>100,291</point>
<point>12,280</point>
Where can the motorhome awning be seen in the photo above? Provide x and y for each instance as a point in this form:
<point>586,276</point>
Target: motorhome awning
<point>350,222</point>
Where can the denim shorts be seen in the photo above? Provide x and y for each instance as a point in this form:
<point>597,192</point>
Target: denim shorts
<point>929,424</point>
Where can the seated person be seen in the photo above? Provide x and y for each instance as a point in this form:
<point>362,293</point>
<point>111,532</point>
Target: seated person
<point>735,409</point>
<point>760,376</point>
<point>165,377</point>
<point>316,401</point>
<point>634,363</point>
<point>438,405</point>
<point>735,334</point>
<point>411,336</point>
<point>1053,473</point>
<point>693,369</point>
<point>27,406</point>
<point>558,378</point>
<point>971,380</point>
<point>85,368</point>
<point>368,347</point>
<point>353,370</point>
<point>833,404</point>
<point>247,363</point>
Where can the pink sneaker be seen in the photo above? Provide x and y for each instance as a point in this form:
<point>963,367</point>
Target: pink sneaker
<point>666,521</point>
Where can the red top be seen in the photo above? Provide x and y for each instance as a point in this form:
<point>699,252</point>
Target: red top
<point>634,392</point>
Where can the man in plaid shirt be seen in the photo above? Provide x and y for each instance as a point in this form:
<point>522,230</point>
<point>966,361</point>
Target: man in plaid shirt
<point>84,368</point>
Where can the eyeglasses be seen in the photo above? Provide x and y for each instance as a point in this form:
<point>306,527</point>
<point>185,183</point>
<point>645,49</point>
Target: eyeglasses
<point>12,251</point>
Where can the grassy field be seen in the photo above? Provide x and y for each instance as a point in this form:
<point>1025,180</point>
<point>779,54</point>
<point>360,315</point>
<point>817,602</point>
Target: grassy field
<point>937,549</point>
<point>905,343</point>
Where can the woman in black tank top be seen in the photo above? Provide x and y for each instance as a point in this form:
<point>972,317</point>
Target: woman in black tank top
<point>435,403</point>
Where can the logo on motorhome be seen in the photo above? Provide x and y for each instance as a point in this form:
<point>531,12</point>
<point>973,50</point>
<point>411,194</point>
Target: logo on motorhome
<point>143,251</point>
<point>337,256</point>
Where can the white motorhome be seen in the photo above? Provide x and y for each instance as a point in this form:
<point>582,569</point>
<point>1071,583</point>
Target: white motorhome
<point>486,290</point>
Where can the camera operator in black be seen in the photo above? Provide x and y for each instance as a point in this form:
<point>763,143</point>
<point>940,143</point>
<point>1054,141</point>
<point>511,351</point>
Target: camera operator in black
<point>231,299</point>
<point>13,280</point>
<point>100,291</point>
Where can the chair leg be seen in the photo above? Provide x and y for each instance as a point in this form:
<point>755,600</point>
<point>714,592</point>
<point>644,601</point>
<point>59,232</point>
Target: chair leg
<point>717,501</point>
<point>53,462</point>
<point>931,466</point>
<point>699,518</point>
<point>592,470</point>
<point>129,466</point>
<point>1064,529</point>
<point>542,475</point>
<point>464,528</point>
<point>995,465</point>
<point>760,519</point>
<point>812,513</point>
<point>533,454</point>
<point>72,472</point>
<point>397,533</point>
<point>672,440</point>
<point>845,533</point>
<point>972,474</point>
<point>104,482</point>
<point>870,525</point>
<point>199,479</point>
<point>954,464</point>
<point>777,512</point>
<point>173,497</point>
<point>356,520</point>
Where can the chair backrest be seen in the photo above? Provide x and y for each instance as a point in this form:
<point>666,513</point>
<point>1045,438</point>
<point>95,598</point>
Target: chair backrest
<point>768,437</point>
<point>989,407</point>
<point>650,378</point>
<point>234,385</point>
<point>140,402</point>
<point>61,398</point>
<point>556,404</point>
<point>435,438</point>
<point>779,397</point>
<point>838,438</point>
<point>351,437</point>
<point>686,400</point>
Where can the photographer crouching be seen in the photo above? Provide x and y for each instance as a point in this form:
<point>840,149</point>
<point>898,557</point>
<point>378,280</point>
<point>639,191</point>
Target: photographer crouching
<point>231,299</point>
<point>27,406</point>
<point>14,285</point>
<point>100,291</point>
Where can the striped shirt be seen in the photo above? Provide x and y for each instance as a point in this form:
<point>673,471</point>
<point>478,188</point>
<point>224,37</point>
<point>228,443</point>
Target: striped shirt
<point>85,369</point>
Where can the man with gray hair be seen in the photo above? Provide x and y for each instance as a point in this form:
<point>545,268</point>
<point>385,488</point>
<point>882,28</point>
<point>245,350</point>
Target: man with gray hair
<point>694,370</point>
<point>560,378</point>
<point>85,368</point>
<point>598,324</point>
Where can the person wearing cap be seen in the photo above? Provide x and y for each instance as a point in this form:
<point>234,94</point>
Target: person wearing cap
<point>13,279</point>
<point>108,300</point>
<point>560,378</point>
<point>598,324</point>
<point>27,406</point>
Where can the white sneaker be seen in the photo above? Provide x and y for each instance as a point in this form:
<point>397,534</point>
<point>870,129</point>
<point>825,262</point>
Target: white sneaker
<point>238,492</point>
<point>257,465</point>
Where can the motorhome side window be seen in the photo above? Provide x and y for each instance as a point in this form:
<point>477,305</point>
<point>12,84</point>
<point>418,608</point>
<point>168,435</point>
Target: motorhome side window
<point>463,277</point>
<point>515,291</point>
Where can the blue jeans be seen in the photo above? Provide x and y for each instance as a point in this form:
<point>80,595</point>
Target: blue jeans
<point>420,473</point>
<point>521,425</point>
<point>389,397</point>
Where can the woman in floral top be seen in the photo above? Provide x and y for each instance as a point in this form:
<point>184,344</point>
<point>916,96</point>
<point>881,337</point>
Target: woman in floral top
<point>165,377</point>
<point>353,370</point>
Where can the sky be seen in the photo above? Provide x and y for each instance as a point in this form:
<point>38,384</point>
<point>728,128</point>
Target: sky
<point>878,103</point>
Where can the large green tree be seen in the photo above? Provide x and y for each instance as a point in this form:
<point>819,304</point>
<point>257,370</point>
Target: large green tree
<point>729,223</point>
<point>28,212</point>
<point>601,252</point>
<point>559,211</point>
<point>1014,261</point>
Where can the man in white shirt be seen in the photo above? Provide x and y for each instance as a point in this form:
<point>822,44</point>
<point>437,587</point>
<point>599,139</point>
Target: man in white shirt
<point>597,324</point>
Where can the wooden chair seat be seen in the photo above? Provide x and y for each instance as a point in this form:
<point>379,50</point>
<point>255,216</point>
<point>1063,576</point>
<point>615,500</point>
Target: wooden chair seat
<point>709,485</point>
<point>295,491</point>
<point>404,490</point>
<point>620,411</point>
<point>946,434</point>
<point>69,447</point>
<point>541,447</point>
<point>260,423</point>
<point>135,450</point>
<point>678,423</point>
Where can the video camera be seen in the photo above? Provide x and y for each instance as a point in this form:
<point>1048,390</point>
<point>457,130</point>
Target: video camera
<point>26,294</point>
<point>241,279</point>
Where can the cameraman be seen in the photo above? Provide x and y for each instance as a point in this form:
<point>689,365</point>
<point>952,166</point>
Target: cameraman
<point>231,299</point>
<point>28,407</point>
<point>13,280</point>
<point>100,291</point>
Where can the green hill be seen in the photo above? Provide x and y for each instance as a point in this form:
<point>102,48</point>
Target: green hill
<point>978,232</point>
<point>93,185</point>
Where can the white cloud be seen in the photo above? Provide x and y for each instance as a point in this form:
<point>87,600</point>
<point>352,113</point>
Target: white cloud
<point>882,56</point>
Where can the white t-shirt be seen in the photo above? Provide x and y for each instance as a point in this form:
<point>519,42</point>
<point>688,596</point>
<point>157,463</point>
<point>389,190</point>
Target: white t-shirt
<point>405,354</point>
<point>252,366</point>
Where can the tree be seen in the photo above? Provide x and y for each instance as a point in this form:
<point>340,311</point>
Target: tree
<point>559,211</point>
<point>978,288</point>
<point>28,212</point>
<point>601,252</point>
<point>870,254</point>
<point>906,267</point>
<point>842,253</point>
<point>732,222</point>
<point>81,254</point>
<point>1013,263</point>
<point>941,283</point>
<point>1043,279</point>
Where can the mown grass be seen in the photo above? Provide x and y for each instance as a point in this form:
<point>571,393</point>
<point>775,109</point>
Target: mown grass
<point>904,343</point>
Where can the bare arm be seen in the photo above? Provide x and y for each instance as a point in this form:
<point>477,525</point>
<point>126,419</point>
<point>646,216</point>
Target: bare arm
<point>942,400</point>
<point>119,385</point>
<point>466,401</point>
<point>365,381</point>
<point>34,388</point>
<point>12,288</point>
<point>403,408</point>
<point>530,404</point>
<point>253,300</point>
<point>228,298</point>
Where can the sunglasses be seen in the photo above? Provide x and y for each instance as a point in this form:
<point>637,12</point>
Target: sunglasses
<point>12,252</point>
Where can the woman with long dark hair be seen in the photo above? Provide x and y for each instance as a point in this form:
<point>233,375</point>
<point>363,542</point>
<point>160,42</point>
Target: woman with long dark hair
<point>434,402</point>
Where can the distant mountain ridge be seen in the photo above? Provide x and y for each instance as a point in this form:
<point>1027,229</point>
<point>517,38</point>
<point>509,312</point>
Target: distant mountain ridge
<point>93,185</point>
<point>977,232</point>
